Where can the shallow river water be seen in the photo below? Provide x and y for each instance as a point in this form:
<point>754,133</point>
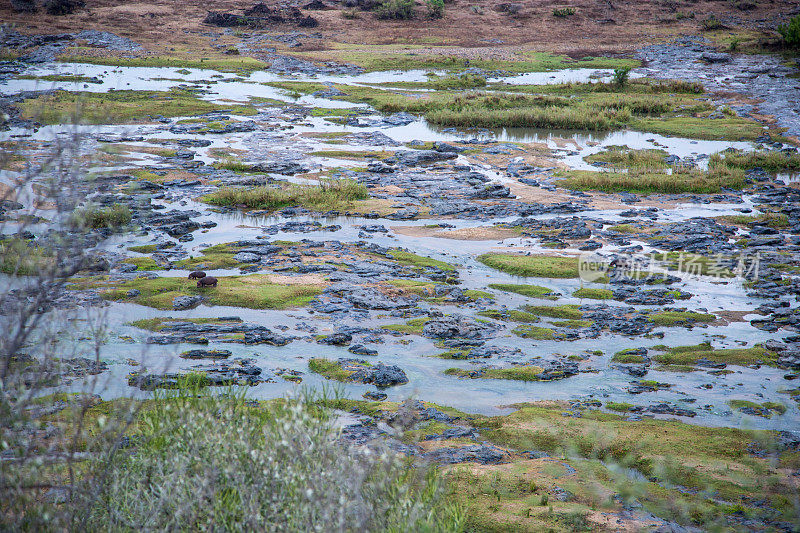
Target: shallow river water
<point>415,354</point>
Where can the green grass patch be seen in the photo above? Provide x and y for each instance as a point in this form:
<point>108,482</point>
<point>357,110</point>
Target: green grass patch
<point>143,263</point>
<point>411,327</point>
<point>327,195</point>
<point>540,266</point>
<point>517,373</point>
<point>689,355</point>
<point>24,258</point>
<point>774,220</point>
<point>765,409</point>
<point>252,292</point>
<point>411,259</point>
<point>726,129</point>
<point>618,406</point>
<point>385,58</point>
<point>61,77</point>
<point>567,312</point>
<point>159,323</point>
<point>329,369</point>
<point>624,356</point>
<point>771,161</point>
<point>593,294</point>
<point>119,107</point>
<point>114,217</point>
<point>672,318</point>
<point>226,64</point>
<point>535,332</point>
<point>622,157</point>
<point>531,291</point>
<point>680,181</point>
<point>212,258</point>
<point>511,315</point>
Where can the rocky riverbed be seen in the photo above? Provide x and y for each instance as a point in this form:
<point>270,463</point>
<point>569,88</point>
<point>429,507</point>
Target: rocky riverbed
<point>405,279</point>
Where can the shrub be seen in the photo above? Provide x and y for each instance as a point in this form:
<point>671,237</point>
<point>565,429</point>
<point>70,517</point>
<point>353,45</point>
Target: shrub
<point>791,33</point>
<point>115,216</point>
<point>396,9</point>
<point>350,14</point>
<point>563,12</point>
<point>214,462</point>
<point>435,8</point>
<point>710,23</point>
<point>621,76</point>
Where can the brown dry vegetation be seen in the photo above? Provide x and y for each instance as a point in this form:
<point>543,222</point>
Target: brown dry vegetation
<point>175,27</point>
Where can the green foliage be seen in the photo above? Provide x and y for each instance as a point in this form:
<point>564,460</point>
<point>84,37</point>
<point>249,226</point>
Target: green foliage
<point>592,293</point>
<point>791,32</point>
<point>621,76</point>
<point>326,195</point>
<point>534,332</point>
<point>113,217</point>
<point>20,257</point>
<point>219,463</point>
<point>516,373</point>
<point>435,8</point>
<point>622,157</point>
<point>531,291</point>
<point>253,292</point>
<point>772,160</point>
<point>653,181</point>
<point>119,107</point>
<point>710,23</point>
<point>395,9</point>
<point>542,266</point>
<point>563,12</point>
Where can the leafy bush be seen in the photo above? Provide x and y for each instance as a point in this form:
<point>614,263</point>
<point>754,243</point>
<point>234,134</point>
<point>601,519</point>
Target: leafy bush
<point>710,23</point>
<point>563,12</point>
<point>396,9</point>
<point>435,8</point>
<point>621,76</point>
<point>210,462</point>
<point>791,33</point>
<point>350,14</point>
<point>114,216</point>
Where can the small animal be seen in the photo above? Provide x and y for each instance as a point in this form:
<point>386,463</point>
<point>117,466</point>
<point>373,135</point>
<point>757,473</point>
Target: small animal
<point>208,281</point>
<point>197,274</point>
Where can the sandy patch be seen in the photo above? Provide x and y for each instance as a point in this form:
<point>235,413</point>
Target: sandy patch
<point>482,233</point>
<point>303,279</point>
<point>726,317</point>
<point>7,192</point>
<point>614,522</point>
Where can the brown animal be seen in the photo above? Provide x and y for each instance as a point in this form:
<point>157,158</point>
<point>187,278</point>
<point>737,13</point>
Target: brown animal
<point>208,281</point>
<point>197,274</point>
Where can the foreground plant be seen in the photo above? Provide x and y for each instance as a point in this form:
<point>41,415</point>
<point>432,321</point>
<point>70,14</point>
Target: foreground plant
<point>218,462</point>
